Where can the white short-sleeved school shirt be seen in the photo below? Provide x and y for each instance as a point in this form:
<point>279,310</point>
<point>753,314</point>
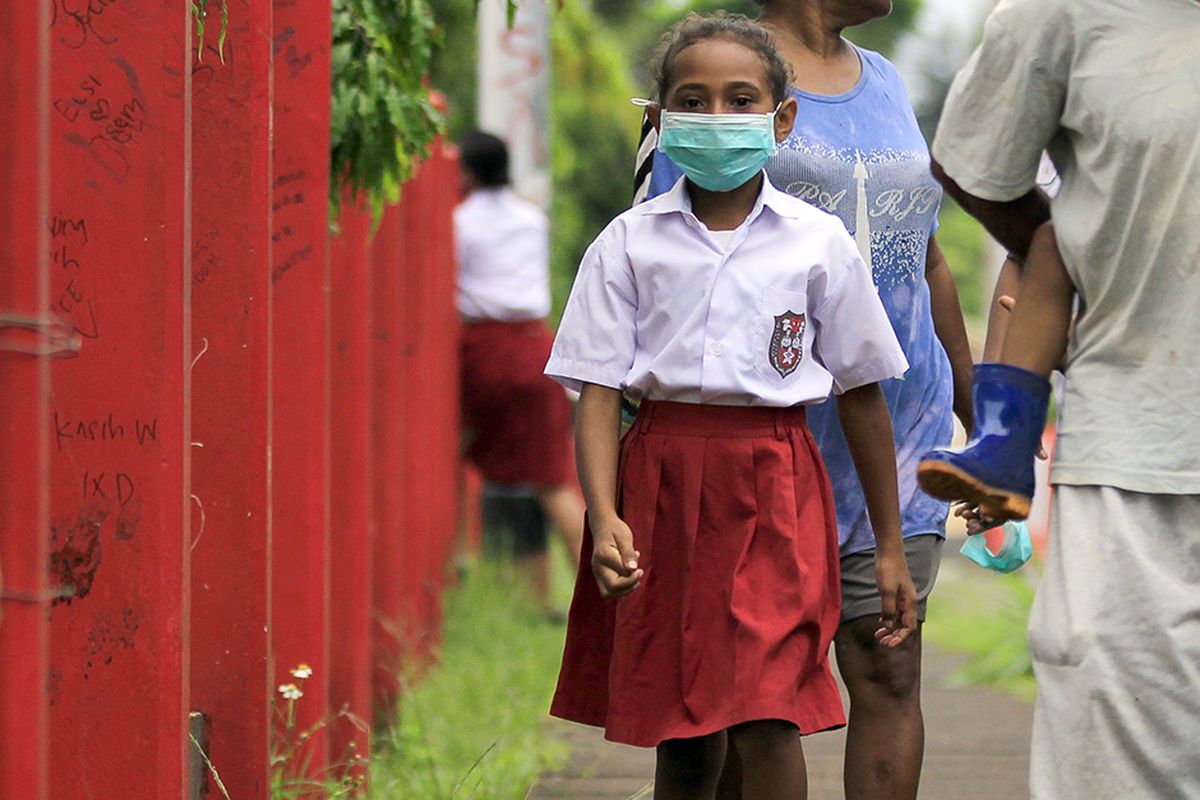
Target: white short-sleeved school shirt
<point>664,311</point>
<point>503,247</point>
<point>1111,88</point>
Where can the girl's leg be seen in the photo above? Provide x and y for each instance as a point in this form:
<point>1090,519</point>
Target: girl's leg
<point>564,507</point>
<point>730,786</point>
<point>688,769</point>
<point>772,760</point>
<point>1036,337</point>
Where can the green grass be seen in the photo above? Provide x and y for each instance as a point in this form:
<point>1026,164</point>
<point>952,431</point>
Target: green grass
<point>475,726</point>
<point>983,615</point>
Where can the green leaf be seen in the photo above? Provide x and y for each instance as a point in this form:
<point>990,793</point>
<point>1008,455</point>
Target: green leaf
<point>382,121</point>
<point>224,30</point>
<point>199,12</point>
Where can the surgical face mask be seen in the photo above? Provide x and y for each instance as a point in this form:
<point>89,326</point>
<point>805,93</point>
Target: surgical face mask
<point>1014,552</point>
<point>718,152</point>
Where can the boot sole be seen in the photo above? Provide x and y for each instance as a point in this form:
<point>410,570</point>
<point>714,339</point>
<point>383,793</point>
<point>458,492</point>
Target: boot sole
<point>947,482</point>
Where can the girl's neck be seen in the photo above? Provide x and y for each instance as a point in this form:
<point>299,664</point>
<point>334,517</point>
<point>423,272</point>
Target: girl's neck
<point>725,211</point>
<point>810,37</point>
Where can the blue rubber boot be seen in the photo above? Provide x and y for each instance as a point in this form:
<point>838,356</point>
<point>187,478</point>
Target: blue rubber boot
<point>995,470</point>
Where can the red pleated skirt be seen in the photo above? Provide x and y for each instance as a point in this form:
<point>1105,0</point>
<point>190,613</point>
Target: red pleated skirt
<point>733,514</point>
<point>517,421</point>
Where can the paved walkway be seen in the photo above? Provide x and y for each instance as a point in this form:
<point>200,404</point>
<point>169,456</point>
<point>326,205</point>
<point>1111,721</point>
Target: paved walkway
<point>977,746</point>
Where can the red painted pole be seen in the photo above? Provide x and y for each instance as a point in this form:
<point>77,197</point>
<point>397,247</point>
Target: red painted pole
<point>431,357</point>
<point>415,419</point>
<point>350,489</point>
<point>300,362</point>
<point>120,508</point>
<point>231,682</point>
<point>393,574</point>
<point>445,351</point>
<point>418,222</point>
<point>24,392</point>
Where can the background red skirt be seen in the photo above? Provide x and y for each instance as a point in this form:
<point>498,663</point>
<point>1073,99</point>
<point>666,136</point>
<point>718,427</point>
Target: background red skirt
<point>518,421</point>
<point>732,512</point>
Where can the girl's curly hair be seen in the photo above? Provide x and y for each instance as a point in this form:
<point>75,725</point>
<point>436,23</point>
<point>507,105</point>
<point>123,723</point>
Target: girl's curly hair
<point>696,28</point>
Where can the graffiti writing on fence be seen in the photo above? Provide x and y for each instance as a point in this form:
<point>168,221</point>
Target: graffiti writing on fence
<point>107,116</point>
<point>78,19</point>
<point>295,59</point>
<point>68,241</point>
<point>288,195</point>
<point>104,428</point>
<point>205,258</point>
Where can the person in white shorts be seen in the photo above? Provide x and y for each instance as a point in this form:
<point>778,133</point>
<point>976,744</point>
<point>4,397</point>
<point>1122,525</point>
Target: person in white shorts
<point>1111,88</point>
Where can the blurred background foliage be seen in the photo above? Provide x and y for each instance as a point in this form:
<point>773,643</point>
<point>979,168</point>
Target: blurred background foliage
<point>600,50</point>
<point>640,24</point>
<point>594,136</point>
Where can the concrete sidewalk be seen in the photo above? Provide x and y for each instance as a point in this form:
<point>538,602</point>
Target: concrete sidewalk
<point>976,745</point>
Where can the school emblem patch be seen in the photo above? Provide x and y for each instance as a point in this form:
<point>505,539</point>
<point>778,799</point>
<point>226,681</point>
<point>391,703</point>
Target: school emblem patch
<point>787,343</point>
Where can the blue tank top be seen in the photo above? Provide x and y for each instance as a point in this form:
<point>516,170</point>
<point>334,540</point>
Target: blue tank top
<point>861,157</point>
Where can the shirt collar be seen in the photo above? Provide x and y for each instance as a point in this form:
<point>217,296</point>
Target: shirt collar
<point>677,200</point>
<point>481,192</point>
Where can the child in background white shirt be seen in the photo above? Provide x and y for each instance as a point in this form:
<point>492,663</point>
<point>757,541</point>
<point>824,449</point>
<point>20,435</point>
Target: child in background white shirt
<point>516,423</point>
<point>725,306</point>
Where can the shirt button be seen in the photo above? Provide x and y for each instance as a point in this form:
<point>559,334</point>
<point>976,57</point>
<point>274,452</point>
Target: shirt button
<point>716,348</point>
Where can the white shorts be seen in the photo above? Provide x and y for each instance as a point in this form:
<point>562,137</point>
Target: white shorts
<point>1115,640</point>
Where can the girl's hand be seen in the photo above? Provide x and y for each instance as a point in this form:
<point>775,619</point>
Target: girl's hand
<point>614,561</point>
<point>898,617</point>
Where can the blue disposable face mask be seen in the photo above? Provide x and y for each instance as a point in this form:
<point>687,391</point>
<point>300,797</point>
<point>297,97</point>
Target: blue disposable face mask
<point>718,152</point>
<point>1016,550</point>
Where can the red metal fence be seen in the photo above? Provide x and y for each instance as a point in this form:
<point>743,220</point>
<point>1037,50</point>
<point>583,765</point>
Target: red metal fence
<point>228,437</point>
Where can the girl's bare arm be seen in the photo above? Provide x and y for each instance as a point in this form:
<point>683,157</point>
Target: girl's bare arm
<point>597,441</point>
<point>868,430</point>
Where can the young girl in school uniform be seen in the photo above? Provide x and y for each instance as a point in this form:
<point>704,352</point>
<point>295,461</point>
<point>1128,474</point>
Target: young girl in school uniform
<point>704,619</point>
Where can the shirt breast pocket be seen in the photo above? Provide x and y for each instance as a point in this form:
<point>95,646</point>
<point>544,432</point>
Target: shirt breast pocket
<point>781,336</point>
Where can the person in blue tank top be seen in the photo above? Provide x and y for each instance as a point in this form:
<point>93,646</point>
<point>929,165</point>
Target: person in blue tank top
<point>856,152</point>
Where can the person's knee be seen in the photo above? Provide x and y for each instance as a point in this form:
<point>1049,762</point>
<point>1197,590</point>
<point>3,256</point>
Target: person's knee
<point>690,767</point>
<point>763,741</point>
<point>561,502</point>
<point>550,494</point>
<point>874,673</point>
<point>701,748</point>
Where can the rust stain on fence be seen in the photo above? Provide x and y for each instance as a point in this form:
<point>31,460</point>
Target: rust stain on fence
<point>109,636</point>
<point>75,553</point>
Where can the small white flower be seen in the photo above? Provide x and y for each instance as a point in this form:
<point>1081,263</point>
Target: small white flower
<point>291,691</point>
<point>303,671</point>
